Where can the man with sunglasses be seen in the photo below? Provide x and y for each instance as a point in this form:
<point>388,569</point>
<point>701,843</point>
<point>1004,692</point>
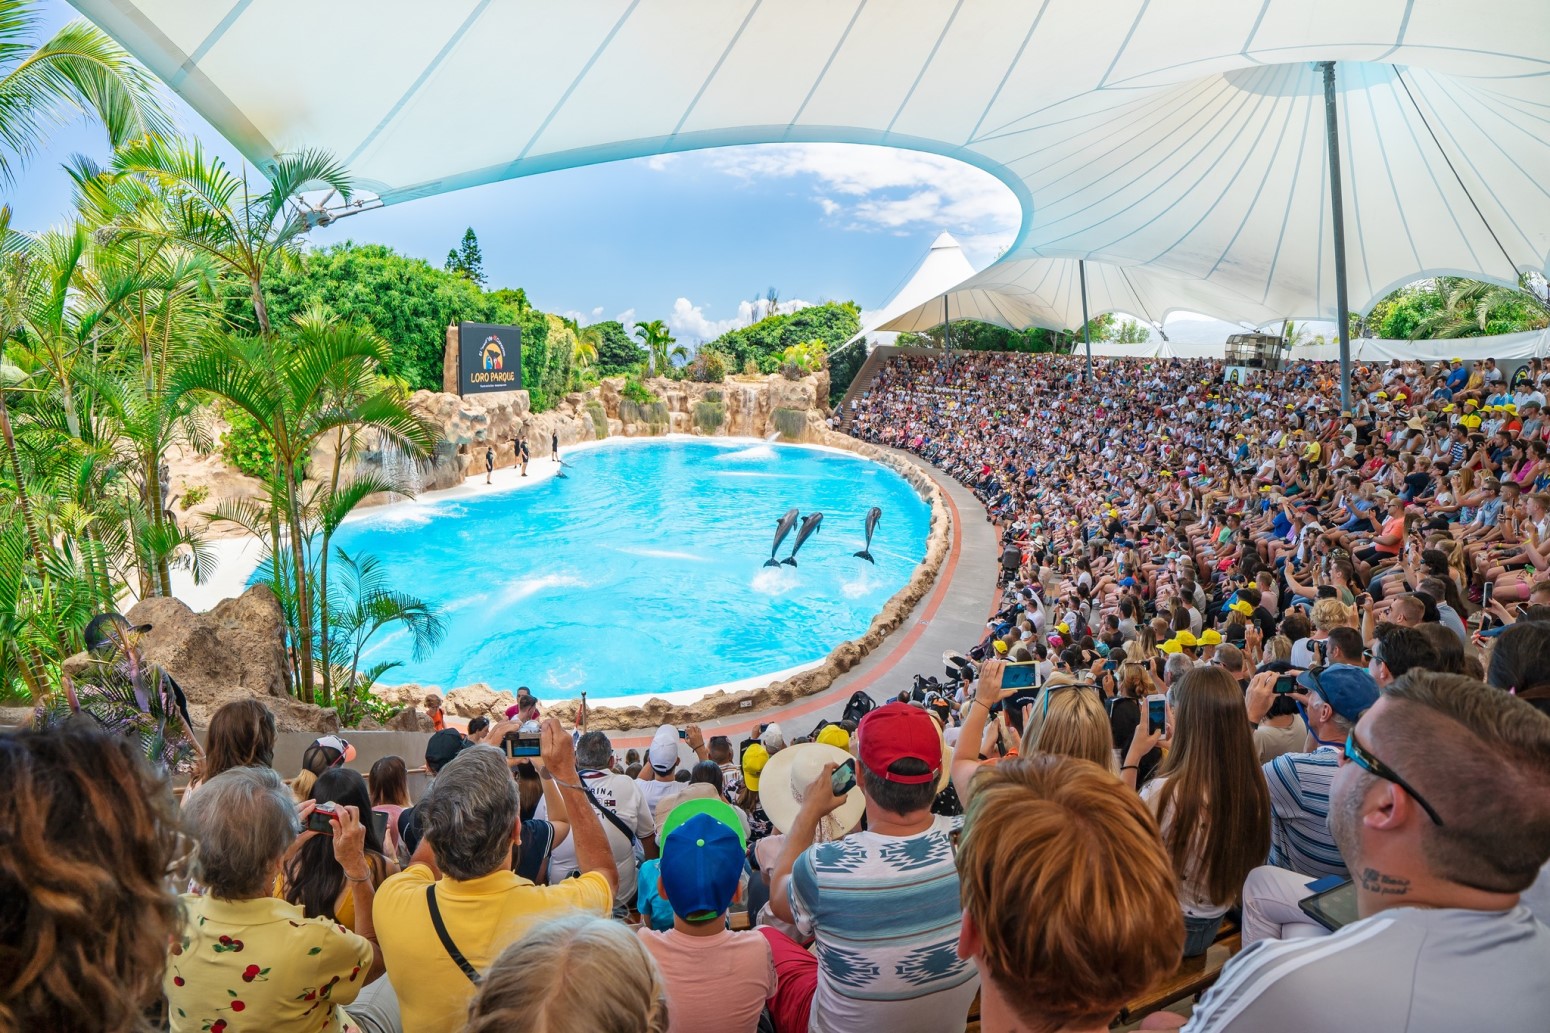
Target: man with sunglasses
<point>1441,807</point>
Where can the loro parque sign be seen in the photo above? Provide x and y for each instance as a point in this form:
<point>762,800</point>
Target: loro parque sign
<point>489,358</point>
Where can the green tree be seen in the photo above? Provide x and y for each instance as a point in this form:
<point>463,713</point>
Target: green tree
<point>617,351</point>
<point>46,84</point>
<point>660,345</point>
<point>300,385</point>
<point>366,604</point>
<point>1128,331</point>
<point>466,259</point>
<point>766,341</point>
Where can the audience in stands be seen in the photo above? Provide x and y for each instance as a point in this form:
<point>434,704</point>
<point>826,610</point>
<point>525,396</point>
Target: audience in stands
<point>1255,635</point>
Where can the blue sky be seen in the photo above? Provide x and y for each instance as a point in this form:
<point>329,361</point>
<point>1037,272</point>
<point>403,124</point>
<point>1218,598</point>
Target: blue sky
<point>691,239</point>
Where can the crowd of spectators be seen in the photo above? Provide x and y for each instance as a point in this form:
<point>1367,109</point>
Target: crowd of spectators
<point>1260,666</point>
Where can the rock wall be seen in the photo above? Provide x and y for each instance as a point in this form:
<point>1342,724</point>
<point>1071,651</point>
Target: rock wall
<point>235,651</point>
<point>480,699</point>
<point>795,410</point>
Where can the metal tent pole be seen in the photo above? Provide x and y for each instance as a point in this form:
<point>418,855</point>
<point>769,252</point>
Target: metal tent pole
<point>947,327</point>
<point>1087,334</point>
<point>1337,213</point>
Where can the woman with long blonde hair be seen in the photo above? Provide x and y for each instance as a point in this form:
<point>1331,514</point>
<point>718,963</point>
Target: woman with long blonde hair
<point>1068,720</point>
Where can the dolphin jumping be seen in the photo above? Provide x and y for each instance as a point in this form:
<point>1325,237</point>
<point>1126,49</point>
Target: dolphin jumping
<point>809,527</point>
<point>782,529</point>
<point>872,516</point>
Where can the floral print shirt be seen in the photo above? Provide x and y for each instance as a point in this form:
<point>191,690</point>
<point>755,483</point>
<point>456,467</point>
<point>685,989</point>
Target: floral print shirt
<point>258,965</point>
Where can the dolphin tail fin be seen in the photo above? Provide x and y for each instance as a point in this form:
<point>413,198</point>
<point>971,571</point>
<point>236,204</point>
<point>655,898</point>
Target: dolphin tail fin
<point>864,554</point>
<point>790,560</point>
<point>772,562</point>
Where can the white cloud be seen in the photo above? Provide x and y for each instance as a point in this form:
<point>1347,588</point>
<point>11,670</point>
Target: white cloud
<point>883,189</point>
<point>689,323</point>
<point>583,318</point>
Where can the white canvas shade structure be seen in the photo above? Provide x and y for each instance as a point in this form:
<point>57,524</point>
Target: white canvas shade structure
<point>1175,145</point>
<point>944,268</point>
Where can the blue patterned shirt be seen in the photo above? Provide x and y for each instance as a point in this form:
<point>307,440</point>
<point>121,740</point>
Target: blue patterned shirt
<point>885,914</point>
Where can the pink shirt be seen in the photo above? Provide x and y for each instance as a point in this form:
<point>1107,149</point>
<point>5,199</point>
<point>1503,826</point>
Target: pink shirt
<point>715,984</point>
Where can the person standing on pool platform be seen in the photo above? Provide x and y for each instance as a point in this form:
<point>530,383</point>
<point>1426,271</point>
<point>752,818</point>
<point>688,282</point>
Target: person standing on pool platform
<point>554,444</point>
<point>523,455</point>
<point>489,461</point>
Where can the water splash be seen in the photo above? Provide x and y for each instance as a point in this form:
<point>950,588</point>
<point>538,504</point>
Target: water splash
<point>753,453</point>
<point>663,554</point>
<point>864,583</point>
<point>775,580</point>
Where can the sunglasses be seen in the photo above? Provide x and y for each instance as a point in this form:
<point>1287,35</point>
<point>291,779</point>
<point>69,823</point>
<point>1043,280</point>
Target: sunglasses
<point>1359,755</point>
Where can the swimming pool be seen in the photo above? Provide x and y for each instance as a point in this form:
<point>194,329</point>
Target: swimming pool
<point>642,572</point>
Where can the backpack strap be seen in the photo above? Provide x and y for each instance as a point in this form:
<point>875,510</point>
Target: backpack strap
<point>446,937</point>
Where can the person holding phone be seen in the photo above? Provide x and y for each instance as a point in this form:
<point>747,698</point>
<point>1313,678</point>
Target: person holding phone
<point>1210,801</point>
<point>312,876</point>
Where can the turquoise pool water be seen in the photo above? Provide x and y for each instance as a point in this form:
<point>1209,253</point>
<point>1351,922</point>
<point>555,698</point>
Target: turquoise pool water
<point>642,572</point>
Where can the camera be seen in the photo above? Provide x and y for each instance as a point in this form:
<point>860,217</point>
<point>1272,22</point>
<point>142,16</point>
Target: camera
<point>521,744</point>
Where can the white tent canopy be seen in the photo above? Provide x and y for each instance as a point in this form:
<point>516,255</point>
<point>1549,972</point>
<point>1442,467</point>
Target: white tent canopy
<point>944,267</point>
<point>1181,141</point>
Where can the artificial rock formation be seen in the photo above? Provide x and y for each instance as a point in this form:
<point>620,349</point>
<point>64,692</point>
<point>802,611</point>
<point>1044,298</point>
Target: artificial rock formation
<point>235,651</point>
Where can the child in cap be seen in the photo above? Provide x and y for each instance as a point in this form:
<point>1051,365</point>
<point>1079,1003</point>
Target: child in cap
<point>717,981</point>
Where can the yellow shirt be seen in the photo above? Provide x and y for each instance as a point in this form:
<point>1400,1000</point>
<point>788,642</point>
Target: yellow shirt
<point>258,965</point>
<point>483,916</point>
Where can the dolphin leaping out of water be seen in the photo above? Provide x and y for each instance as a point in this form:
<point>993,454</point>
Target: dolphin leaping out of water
<point>809,527</point>
<point>872,516</point>
<point>782,529</point>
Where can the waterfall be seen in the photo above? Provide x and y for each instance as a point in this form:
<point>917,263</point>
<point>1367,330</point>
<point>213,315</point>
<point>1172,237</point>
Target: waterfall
<point>390,462</point>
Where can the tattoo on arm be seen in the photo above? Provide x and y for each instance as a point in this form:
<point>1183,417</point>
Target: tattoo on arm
<point>1383,884</point>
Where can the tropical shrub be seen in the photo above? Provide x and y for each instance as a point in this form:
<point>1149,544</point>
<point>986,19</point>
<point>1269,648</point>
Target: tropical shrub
<point>244,445</point>
<point>708,367</point>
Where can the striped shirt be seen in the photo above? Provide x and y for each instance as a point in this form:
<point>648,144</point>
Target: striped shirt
<point>885,914</point>
<point>1404,970</point>
<point>1299,812</point>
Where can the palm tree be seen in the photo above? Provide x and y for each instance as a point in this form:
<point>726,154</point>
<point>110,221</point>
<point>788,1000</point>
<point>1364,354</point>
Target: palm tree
<point>660,344</point>
<point>80,69</point>
<point>369,605</point>
<point>587,343</point>
<point>214,212</point>
<point>299,385</point>
<point>1473,307</point>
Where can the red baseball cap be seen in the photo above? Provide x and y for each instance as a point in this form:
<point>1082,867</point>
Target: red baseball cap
<point>896,731</point>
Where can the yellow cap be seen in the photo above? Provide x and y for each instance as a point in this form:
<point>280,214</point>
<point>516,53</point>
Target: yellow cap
<point>1449,407</point>
<point>754,759</point>
<point>1186,638</point>
<point>1170,647</point>
<point>999,646</point>
<point>1210,637</point>
<point>1241,606</point>
<point>834,735</point>
<point>1383,394</point>
<point>1063,628</point>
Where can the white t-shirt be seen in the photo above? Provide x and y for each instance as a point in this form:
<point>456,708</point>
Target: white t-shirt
<point>619,794</point>
<point>654,790</point>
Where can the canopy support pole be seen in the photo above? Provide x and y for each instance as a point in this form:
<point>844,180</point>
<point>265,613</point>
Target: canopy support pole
<point>947,328</point>
<point>1087,334</point>
<point>1337,214</point>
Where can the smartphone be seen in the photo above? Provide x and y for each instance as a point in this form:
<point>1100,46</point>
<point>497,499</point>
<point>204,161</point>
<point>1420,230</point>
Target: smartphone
<point>1111,665</point>
<point>322,819</point>
<point>844,778</point>
<point>1285,683</point>
<point>379,823</point>
<point>683,733</point>
<point>1156,713</point>
<point>1020,675</point>
<point>1485,595</point>
<point>522,744</point>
